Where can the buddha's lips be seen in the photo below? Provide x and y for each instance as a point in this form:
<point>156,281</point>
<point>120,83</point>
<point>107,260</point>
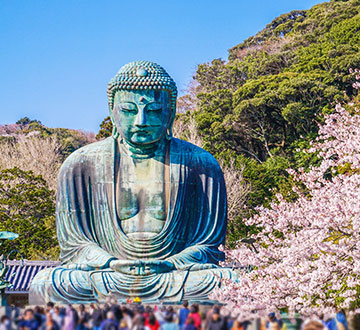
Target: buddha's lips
<point>149,129</point>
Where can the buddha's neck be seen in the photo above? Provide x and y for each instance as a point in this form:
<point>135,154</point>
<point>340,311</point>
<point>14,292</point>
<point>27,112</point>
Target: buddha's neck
<point>144,151</point>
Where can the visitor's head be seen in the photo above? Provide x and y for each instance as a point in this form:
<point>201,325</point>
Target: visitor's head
<point>38,310</point>
<point>110,315</point>
<point>272,317</point>
<point>5,320</point>
<point>152,318</point>
<point>215,314</point>
<point>142,102</point>
<point>50,305</point>
<point>28,314</point>
<point>314,325</point>
<point>186,304</point>
<point>169,317</point>
<point>193,309</point>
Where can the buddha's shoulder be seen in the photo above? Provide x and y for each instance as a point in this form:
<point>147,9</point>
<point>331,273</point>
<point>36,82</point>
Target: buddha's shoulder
<point>194,153</point>
<point>185,147</point>
<point>90,153</point>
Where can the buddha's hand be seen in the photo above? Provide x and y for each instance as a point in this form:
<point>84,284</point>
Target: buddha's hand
<point>141,267</point>
<point>158,266</point>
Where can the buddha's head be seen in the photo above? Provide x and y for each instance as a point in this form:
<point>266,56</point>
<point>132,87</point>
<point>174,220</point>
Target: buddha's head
<point>142,102</point>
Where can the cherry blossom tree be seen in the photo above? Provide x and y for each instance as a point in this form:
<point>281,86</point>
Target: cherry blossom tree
<point>307,253</point>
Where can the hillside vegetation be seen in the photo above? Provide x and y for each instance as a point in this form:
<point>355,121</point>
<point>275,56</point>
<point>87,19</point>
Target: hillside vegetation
<point>261,107</point>
<point>31,156</point>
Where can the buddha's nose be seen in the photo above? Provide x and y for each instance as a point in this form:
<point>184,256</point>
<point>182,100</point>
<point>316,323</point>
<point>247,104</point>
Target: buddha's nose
<point>141,118</point>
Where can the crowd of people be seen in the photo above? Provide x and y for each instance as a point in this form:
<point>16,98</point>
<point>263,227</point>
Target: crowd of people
<point>115,316</point>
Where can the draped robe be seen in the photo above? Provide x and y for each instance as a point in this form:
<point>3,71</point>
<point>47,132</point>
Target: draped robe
<point>90,233</point>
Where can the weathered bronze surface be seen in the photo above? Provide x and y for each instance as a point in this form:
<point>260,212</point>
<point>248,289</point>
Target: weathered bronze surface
<point>139,214</point>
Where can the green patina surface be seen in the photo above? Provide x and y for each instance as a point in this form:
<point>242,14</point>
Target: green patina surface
<point>139,214</point>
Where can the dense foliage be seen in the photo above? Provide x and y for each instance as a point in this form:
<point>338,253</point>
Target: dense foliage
<point>31,155</point>
<point>27,207</point>
<point>262,105</point>
<point>307,256</point>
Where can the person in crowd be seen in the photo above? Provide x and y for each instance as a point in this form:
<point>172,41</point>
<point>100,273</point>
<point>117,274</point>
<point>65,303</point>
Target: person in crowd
<point>115,308</point>
<point>50,324</point>
<point>71,318</point>
<point>190,324</point>
<point>170,324</point>
<point>39,315</point>
<point>50,307</point>
<point>28,321</point>
<point>57,317</point>
<point>138,317</point>
<point>216,322</point>
<point>160,314</point>
<point>5,323</point>
<point>338,322</point>
<point>183,314</point>
<point>208,315</point>
<point>273,323</point>
<point>151,321</point>
<point>127,316</point>
<point>141,324</point>
<point>84,318</point>
<point>147,311</point>
<point>314,325</point>
<point>110,322</point>
<point>97,317</point>
<point>127,310</point>
<point>194,313</point>
<point>170,311</point>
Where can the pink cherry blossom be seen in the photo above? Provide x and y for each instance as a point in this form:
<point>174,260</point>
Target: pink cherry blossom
<point>308,251</point>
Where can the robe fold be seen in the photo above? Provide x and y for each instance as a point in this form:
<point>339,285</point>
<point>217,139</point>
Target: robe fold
<point>90,233</point>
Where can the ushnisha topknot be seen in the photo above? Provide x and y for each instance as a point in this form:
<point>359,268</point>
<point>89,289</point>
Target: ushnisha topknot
<point>142,75</point>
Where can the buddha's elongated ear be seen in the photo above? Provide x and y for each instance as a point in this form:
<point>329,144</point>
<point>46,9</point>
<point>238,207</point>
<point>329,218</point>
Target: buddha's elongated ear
<point>115,134</point>
<point>169,133</point>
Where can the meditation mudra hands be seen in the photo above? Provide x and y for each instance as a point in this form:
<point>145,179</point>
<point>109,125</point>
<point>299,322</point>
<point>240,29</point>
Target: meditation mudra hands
<point>141,267</point>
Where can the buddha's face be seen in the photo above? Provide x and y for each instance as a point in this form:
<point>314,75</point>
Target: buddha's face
<point>142,116</point>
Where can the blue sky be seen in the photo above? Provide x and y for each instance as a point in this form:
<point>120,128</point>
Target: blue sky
<point>57,56</point>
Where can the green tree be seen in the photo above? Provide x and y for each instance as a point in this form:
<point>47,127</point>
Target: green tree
<point>27,207</point>
<point>106,128</point>
<point>27,121</point>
